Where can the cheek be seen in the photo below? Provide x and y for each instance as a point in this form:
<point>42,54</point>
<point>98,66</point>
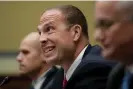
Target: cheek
<point>115,34</point>
<point>66,40</point>
<point>32,59</point>
<point>123,32</point>
<point>61,37</point>
<point>34,64</point>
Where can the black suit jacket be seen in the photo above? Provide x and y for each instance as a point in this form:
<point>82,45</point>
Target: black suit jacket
<point>91,73</point>
<point>116,78</point>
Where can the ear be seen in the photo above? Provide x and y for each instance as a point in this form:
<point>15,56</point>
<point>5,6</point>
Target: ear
<point>76,32</point>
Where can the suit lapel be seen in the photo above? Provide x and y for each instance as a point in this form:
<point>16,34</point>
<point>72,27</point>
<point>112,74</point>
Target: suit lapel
<point>87,50</point>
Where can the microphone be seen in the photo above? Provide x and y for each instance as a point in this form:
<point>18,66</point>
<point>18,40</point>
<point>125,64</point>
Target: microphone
<point>5,80</point>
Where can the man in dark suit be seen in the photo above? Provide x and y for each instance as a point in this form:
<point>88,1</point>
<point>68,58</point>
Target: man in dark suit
<point>114,30</point>
<point>64,40</point>
<point>31,62</point>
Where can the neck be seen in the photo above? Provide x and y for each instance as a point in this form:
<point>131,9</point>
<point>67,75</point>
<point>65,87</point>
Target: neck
<point>66,65</point>
<point>79,47</point>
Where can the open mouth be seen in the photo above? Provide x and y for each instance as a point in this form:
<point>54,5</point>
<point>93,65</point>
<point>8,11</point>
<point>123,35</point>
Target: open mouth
<point>48,50</point>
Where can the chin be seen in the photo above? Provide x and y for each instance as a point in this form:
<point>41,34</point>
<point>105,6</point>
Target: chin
<point>53,61</point>
<point>22,73</point>
<point>107,54</point>
<point>49,62</point>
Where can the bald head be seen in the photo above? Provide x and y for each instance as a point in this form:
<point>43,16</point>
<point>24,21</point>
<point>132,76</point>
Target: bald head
<point>32,35</point>
<point>32,39</point>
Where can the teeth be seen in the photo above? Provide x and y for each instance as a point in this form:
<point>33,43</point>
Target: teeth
<point>48,49</point>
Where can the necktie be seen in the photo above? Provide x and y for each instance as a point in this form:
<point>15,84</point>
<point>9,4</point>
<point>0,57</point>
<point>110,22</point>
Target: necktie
<point>126,80</point>
<point>64,82</point>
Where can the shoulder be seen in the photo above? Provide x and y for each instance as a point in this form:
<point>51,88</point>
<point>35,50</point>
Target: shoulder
<point>96,49</point>
<point>91,74</point>
<point>92,50</point>
<point>96,61</point>
<point>95,67</point>
<point>94,57</point>
<point>94,64</point>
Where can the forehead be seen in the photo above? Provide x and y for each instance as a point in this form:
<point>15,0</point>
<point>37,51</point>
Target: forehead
<point>51,15</point>
<point>28,45</point>
<point>105,9</point>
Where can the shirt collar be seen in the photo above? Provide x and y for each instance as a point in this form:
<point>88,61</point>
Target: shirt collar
<point>75,64</point>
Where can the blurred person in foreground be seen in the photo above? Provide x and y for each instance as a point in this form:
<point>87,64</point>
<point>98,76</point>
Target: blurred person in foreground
<point>64,40</point>
<point>31,62</point>
<point>114,30</point>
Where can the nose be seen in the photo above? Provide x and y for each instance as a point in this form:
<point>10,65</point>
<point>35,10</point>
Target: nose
<point>43,38</point>
<point>19,57</point>
<point>99,36</point>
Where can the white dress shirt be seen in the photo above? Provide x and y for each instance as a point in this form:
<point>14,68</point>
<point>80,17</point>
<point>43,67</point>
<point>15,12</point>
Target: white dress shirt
<point>75,64</point>
<point>38,83</point>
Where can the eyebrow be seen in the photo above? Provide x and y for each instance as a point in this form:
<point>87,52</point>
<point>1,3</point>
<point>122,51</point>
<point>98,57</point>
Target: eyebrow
<point>103,21</point>
<point>43,25</point>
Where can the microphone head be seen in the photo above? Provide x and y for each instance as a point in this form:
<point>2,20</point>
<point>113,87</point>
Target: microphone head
<point>5,81</point>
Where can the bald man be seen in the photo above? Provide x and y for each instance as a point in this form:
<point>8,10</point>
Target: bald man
<point>31,62</point>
